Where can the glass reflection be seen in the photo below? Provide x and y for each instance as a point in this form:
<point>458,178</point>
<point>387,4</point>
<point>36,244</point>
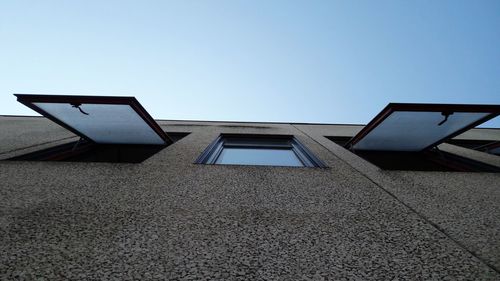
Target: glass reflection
<point>259,156</point>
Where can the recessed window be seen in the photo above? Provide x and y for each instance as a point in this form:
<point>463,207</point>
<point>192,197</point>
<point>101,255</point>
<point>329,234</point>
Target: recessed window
<point>488,146</point>
<point>85,151</point>
<point>261,150</point>
<point>406,136</point>
<point>111,129</point>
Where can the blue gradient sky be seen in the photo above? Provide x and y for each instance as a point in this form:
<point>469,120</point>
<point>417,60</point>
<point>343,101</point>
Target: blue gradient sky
<point>300,61</point>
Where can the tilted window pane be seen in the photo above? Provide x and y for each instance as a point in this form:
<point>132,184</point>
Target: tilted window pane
<point>105,123</point>
<point>415,130</point>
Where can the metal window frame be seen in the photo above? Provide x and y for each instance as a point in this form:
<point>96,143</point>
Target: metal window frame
<point>29,100</point>
<point>286,142</point>
<point>489,147</point>
<point>427,107</point>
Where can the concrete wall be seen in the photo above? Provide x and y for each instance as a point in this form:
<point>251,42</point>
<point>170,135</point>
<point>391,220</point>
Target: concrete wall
<point>167,218</point>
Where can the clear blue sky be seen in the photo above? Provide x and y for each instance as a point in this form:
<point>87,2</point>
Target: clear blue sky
<point>300,61</point>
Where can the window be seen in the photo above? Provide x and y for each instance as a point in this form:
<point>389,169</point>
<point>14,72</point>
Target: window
<point>417,127</point>
<point>261,150</point>
<point>111,129</point>
<point>488,146</point>
<point>99,119</point>
<point>405,136</point>
<point>85,151</point>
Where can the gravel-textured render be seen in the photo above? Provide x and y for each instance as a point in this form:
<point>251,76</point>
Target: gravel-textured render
<point>170,219</point>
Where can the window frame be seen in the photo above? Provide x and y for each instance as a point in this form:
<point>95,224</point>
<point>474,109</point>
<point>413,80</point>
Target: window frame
<point>287,142</point>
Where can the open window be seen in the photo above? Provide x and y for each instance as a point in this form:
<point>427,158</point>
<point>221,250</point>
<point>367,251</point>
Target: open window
<point>405,136</point>
<point>259,150</point>
<point>112,129</point>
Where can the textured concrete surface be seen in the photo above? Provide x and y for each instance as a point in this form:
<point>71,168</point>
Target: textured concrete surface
<point>464,206</point>
<point>24,132</point>
<point>167,218</point>
<point>480,133</point>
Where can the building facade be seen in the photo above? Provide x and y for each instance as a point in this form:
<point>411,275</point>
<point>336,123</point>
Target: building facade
<point>170,216</point>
